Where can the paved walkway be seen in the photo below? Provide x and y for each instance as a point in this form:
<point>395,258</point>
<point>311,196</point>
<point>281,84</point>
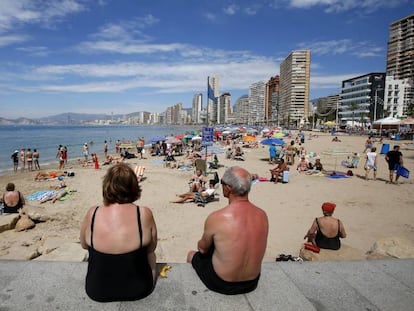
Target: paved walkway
<point>341,285</point>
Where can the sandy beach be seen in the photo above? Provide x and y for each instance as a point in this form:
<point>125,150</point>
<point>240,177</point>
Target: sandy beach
<point>370,210</point>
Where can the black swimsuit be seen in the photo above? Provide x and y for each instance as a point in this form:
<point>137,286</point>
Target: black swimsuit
<point>203,265</point>
<point>118,277</point>
<point>328,243</point>
<point>13,209</point>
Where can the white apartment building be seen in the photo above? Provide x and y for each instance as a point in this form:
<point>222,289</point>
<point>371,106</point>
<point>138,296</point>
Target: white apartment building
<point>399,93</point>
<point>294,87</point>
<point>197,107</point>
<point>256,103</point>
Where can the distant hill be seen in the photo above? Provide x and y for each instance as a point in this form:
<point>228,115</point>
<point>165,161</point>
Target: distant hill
<point>67,118</point>
<point>71,117</point>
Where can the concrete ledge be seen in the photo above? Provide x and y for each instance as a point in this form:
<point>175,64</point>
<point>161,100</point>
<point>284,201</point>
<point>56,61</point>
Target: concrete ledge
<point>344,285</point>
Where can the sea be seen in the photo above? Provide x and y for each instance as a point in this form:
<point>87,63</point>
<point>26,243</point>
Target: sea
<point>47,138</point>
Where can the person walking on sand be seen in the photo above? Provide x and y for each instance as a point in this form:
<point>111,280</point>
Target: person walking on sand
<point>29,157</point>
<point>105,149</point>
<point>15,159</point>
<point>371,163</point>
<point>22,159</point>
<point>36,157</point>
<point>394,158</point>
<point>232,247</point>
<point>85,152</point>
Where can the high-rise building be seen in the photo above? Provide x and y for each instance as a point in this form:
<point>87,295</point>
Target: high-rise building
<point>224,108</point>
<point>256,103</point>
<point>361,98</point>
<point>241,109</point>
<point>294,88</point>
<point>272,100</point>
<point>197,108</point>
<point>399,86</point>
<point>212,98</point>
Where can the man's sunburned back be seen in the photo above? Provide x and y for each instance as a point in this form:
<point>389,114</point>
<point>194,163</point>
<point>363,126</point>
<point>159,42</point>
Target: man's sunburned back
<point>240,236</point>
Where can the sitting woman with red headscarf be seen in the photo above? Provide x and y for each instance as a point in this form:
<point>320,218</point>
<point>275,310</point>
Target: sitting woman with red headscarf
<point>326,231</point>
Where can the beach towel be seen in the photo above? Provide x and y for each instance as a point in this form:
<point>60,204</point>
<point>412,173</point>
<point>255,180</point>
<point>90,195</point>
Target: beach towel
<point>139,171</point>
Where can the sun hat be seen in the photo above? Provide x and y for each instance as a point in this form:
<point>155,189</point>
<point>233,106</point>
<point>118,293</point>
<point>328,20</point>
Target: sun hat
<point>328,207</point>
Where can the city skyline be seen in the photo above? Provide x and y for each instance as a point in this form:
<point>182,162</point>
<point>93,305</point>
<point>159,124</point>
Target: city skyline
<point>125,56</point>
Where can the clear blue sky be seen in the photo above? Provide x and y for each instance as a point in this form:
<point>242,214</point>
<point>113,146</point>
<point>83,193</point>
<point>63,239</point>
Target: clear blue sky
<point>122,56</point>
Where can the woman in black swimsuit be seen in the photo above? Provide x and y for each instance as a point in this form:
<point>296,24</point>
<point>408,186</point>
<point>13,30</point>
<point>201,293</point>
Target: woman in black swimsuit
<point>326,231</point>
<point>121,239</point>
<point>13,200</point>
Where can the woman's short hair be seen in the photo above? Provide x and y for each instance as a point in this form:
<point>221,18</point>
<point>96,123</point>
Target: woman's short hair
<point>238,179</point>
<point>120,185</point>
<point>10,187</point>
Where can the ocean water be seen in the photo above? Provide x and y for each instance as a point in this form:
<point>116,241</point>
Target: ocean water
<point>46,139</point>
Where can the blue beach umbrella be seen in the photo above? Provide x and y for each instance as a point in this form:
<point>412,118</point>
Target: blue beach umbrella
<point>157,138</point>
<point>272,140</point>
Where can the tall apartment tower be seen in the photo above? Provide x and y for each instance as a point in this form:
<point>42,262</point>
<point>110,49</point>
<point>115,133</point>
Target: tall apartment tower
<point>197,108</point>
<point>272,100</point>
<point>212,98</point>
<point>399,84</point>
<point>224,108</point>
<point>241,109</point>
<point>294,87</point>
<point>256,103</point>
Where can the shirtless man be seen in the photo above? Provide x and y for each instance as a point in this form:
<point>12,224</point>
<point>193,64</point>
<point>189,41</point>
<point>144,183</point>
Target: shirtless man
<point>140,147</point>
<point>278,170</point>
<point>29,157</point>
<point>233,244</point>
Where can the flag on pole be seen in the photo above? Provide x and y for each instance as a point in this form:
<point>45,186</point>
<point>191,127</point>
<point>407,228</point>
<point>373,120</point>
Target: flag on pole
<point>210,94</point>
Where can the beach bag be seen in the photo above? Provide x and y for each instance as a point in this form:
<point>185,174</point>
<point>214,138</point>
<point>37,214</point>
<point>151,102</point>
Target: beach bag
<point>312,247</point>
<point>402,171</point>
<point>285,177</point>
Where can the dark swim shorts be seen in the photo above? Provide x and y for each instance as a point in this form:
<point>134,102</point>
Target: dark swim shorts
<point>202,264</point>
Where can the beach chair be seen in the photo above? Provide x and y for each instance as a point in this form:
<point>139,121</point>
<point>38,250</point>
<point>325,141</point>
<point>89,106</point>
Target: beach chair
<point>201,164</point>
<point>202,201</point>
<point>139,171</point>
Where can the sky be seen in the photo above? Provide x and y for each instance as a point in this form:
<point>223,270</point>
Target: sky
<point>123,56</point>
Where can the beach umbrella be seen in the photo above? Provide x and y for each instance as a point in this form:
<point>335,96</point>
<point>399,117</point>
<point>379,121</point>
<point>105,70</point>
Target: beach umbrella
<point>157,138</point>
<point>278,135</point>
<point>271,141</point>
<point>196,138</point>
<point>179,136</point>
<point>226,132</point>
<point>172,140</point>
<point>249,138</point>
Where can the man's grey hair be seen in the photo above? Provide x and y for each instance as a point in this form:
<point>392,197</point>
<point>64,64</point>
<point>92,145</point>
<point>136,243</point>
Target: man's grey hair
<point>240,184</point>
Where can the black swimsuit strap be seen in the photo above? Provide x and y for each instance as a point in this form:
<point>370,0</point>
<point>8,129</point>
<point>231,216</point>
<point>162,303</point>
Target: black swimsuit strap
<point>139,226</point>
<point>92,223</point>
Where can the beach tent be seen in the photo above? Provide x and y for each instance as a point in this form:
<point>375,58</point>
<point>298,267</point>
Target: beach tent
<point>387,123</point>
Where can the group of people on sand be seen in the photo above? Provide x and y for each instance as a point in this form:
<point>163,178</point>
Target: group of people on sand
<point>25,156</point>
<point>229,253</point>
